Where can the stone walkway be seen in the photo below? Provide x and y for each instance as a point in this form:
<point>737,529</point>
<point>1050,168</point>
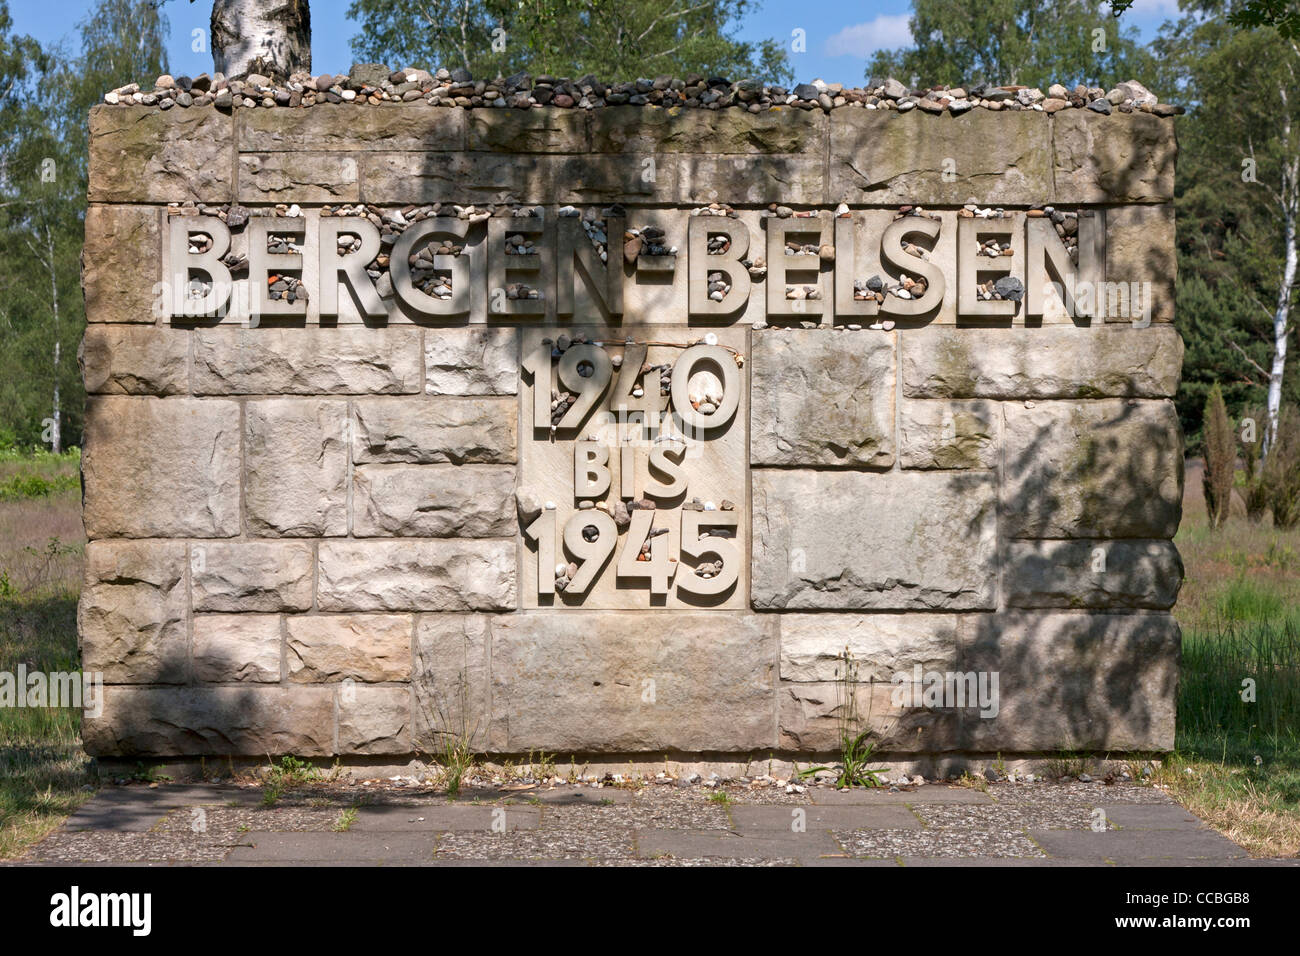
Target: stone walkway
<point>1041,824</point>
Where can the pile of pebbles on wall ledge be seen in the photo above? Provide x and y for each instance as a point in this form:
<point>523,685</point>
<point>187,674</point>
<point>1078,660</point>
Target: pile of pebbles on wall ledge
<point>374,84</point>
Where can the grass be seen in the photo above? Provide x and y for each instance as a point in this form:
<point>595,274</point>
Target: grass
<point>44,774</point>
<point>1237,752</point>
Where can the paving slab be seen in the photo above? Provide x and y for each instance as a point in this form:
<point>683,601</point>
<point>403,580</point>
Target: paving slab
<point>1137,845</point>
<point>1151,817</point>
<point>435,818</point>
<point>578,843</point>
<point>364,848</point>
<point>757,819</point>
<point>730,844</point>
<point>1000,861</point>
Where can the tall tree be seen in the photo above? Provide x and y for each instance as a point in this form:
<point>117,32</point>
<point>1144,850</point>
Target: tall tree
<point>270,37</point>
<point>43,143</point>
<point>1015,42</point>
<point>1239,194</point>
<point>614,41</point>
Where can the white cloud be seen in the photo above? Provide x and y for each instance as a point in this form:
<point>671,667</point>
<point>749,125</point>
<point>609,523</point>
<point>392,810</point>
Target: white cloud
<point>886,32</point>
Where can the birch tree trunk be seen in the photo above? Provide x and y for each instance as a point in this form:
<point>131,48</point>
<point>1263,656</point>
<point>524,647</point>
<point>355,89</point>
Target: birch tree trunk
<point>270,37</point>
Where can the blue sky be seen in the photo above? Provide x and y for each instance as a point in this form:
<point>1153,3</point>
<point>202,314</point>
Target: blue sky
<point>841,34</point>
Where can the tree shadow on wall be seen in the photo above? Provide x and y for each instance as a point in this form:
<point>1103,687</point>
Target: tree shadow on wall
<point>1071,679</point>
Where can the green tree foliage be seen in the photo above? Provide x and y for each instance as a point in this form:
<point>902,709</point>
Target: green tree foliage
<point>44,98</point>
<point>1237,148</point>
<point>1022,42</point>
<point>1220,458</point>
<point>613,41</point>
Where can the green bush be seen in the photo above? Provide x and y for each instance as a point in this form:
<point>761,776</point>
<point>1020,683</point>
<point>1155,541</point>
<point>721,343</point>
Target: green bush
<point>18,487</point>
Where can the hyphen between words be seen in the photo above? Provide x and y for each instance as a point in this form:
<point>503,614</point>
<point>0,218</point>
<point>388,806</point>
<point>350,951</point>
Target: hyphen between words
<point>523,280</point>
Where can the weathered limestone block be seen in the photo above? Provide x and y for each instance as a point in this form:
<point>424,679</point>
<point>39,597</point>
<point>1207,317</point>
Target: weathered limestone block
<point>949,435</point>
<point>526,131</point>
<point>452,680</point>
<point>413,575</point>
<point>361,647</point>
<point>1092,574</point>
<point>848,540</point>
<point>130,360</point>
<point>809,715</point>
<point>816,402</point>
<point>1107,469</point>
<point>635,132</point>
<point>625,683</point>
<point>342,361</point>
<point>477,361</point>
<point>1140,248</point>
<point>881,156</point>
<point>195,721</point>
<point>1074,681</point>
<point>121,261</point>
<point>436,431</point>
<point>433,501</point>
<point>881,645</point>
<point>1112,159</point>
<point>298,177</point>
<point>132,614</point>
<point>139,486</point>
<point>338,127</point>
<point>1048,362</point>
<point>374,720</point>
<point>251,576</point>
<point>296,467</point>
<point>237,647</point>
<point>141,155</point>
<point>757,178</point>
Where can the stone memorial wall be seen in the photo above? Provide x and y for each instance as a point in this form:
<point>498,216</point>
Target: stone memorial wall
<point>605,432</point>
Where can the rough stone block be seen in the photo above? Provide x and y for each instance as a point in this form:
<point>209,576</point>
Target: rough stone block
<point>121,261</point>
<point>949,435</point>
<point>139,486</point>
<point>1074,681</point>
<point>195,721</point>
<point>362,647</point>
<point>881,156</point>
<point>142,155</point>
<point>296,467</point>
<point>1140,248</point>
<point>1112,159</point>
<point>237,647</point>
<point>1092,574</point>
<point>433,501</point>
<point>810,718</point>
<point>342,361</point>
<point>527,131</point>
<point>131,360</point>
<point>374,720</point>
<point>412,575</point>
<point>627,683</point>
<point>758,179</point>
<point>817,402</point>
<point>881,645</point>
<point>852,540</point>
<point>132,614</point>
<point>251,576</point>
<point>336,127</point>
<point>436,431</point>
<point>471,361</point>
<point>298,177</point>
<point>1049,362</point>
<point>632,131</point>
<point>1106,469</point>
<point>452,680</point>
